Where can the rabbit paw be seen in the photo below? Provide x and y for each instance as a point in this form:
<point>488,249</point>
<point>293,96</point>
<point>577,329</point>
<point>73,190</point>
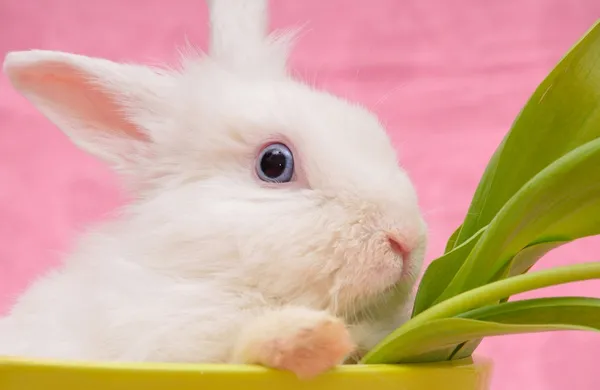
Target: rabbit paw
<point>302,341</point>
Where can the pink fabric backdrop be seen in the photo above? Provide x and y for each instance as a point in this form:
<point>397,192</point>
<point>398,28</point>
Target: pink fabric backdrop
<point>447,77</point>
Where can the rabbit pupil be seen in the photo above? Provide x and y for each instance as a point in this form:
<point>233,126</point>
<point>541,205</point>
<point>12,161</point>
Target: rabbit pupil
<point>276,164</point>
<point>273,163</point>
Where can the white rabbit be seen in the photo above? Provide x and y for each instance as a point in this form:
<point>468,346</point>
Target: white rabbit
<point>271,224</point>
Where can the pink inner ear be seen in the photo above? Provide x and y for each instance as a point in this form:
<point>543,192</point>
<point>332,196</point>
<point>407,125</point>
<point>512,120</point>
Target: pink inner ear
<point>75,96</point>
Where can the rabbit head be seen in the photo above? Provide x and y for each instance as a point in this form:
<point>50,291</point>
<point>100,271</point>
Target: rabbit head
<point>242,175</point>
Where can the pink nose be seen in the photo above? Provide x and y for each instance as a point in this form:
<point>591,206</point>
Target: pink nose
<point>398,247</point>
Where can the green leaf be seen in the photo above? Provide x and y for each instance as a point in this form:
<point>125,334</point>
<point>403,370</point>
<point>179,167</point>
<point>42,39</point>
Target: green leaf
<point>562,118</point>
<point>520,264</point>
<point>527,257</point>
<point>436,340</point>
<point>558,204</point>
<point>440,272</point>
<point>582,311</point>
<point>561,115</point>
<point>536,194</point>
<point>558,132</point>
<point>398,343</point>
<point>452,240</point>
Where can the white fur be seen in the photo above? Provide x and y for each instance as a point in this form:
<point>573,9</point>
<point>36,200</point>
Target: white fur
<point>207,248</point>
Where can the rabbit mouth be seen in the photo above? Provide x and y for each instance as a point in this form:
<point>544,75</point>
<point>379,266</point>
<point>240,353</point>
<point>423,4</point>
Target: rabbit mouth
<point>375,270</point>
<point>375,286</point>
<point>366,308</point>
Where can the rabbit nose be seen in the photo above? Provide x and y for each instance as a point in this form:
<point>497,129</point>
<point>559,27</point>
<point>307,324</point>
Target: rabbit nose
<point>403,241</point>
<point>398,247</point>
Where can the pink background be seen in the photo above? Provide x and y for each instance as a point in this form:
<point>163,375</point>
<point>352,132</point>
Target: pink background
<point>447,77</point>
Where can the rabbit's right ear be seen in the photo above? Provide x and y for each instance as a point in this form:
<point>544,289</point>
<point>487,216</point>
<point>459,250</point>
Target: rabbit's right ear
<point>108,109</point>
<point>240,39</point>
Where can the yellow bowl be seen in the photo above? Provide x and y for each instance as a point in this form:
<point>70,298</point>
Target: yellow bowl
<point>19,374</point>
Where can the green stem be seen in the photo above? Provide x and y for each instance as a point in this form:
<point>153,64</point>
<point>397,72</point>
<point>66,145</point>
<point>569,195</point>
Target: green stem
<point>498,290</point>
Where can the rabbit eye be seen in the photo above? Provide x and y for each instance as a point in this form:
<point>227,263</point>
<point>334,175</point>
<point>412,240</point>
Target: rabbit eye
<point>275,164</point>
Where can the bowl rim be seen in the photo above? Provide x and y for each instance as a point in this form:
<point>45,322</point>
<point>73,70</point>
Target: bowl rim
<point>221,368</point>
<point>25,374</point>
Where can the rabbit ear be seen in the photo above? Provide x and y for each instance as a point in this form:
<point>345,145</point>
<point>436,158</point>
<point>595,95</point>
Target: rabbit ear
<point>106,108</point>
<point>240,39</point>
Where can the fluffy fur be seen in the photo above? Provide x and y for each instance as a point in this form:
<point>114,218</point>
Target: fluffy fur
<point>209,264</point>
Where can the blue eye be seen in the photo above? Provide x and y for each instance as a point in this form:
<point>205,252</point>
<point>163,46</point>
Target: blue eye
<point>275,164</point>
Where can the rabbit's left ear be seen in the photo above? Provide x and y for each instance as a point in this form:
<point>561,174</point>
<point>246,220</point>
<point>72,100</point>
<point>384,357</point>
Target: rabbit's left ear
<point>240,39</point>
<point>106,108</point>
